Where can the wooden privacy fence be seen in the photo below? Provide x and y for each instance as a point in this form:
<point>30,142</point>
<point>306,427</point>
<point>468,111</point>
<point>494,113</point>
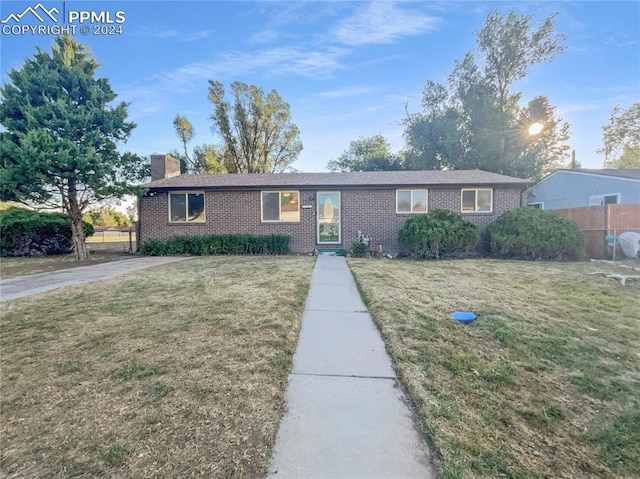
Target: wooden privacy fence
<point>596,222</point>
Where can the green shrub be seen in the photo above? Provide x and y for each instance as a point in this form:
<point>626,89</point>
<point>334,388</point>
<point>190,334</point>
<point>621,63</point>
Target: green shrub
<point>239,244</point>
<point>31,233</point>
<point>437,234</point>
<point>358,249</point>
<point>152,248</point>
<point>531,234</point>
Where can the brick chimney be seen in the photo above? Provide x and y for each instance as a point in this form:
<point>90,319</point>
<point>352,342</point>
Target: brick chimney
<point>164,166</point>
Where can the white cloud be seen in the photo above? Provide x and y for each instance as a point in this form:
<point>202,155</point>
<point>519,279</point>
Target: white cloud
<point>578,108</point>
<point>149,96</point>
<point>346,92</point>
<point>174,34</point>
<point>269,35</point>
<point>382,22</point>
<point>274,62</point>
<point>194,36</point>
<point>144,101</point>
<point>620,40</point>
<point>377,22</point>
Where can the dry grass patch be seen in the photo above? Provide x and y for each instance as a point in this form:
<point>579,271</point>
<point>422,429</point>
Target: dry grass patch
<point>545,383</point>
<point>175,371</point>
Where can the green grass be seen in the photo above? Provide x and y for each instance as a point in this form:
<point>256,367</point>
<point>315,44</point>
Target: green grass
<point>174,371</point>
<point>545,383</point>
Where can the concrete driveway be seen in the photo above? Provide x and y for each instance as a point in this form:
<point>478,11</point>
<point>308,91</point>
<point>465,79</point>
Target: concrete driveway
<point>20,286</point>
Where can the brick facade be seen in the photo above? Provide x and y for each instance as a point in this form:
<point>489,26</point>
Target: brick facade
<point>371,210</point>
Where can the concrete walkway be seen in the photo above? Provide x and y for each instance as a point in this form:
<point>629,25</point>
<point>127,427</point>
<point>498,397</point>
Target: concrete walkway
<point>39,283</point>
<point>346,416</point>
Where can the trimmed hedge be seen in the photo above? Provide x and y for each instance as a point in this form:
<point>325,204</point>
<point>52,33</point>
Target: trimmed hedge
<point>532,234</point>
<point>238,244</point>
<point>437,234</point>
<point>31,233</point>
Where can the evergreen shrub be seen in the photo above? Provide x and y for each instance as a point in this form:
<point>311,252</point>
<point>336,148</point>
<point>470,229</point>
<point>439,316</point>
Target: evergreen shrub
<point>26,232</point>
<point>533,234</point>
<point>358,249</point>
<point>437,234</point>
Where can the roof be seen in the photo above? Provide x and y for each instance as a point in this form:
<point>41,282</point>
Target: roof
<point>339,180</point>
<point>633,173</point>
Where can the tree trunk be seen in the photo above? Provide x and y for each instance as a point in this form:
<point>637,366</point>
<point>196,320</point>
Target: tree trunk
<point>74,211</point>
<point>79,244</point>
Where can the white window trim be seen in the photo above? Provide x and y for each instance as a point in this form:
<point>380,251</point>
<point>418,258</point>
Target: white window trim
<point>475,212</point>
<point>602,197</point>
<point>426,196</point>
<point>204,220</point>
<point>541,203</point>
<point>279,206</point>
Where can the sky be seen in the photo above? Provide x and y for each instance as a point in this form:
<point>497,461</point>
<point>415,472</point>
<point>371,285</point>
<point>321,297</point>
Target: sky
<point>348,69</point>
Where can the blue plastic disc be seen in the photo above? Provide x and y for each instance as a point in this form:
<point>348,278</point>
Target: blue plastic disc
<point>463,316</point>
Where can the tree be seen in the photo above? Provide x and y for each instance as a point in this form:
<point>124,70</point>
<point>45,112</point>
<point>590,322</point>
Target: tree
<point>476,121</point>
<point>621,138</point>
<point>367,154</point>
<point>511,46</point>
<point>185,131</point>
<point>132,214</point>
<point>256,130</point>
<point>528,155</point>
<point>106,216</point>
<point>59,147</point>
<point>432,137</point>
<point>206,158</point>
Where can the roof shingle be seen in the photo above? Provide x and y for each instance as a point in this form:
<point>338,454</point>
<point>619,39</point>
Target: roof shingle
<point>331,180</point>
<point>619,172</point>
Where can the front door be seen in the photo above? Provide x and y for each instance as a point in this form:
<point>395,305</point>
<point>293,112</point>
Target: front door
<point>328,208</point>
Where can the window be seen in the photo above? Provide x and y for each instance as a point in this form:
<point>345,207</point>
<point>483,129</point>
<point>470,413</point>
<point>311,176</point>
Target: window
<point>477,200</point>
<point>599,200</point>
<point>186,207</point>
<point>538,206</point>
<point>411,201</point>
<point>280,206</point>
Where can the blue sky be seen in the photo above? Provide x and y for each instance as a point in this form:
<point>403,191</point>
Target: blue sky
<point>347,69</point>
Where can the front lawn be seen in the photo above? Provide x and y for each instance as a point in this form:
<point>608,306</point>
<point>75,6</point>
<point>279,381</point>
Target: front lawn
<point>174,371</point>
<point>545,383</point>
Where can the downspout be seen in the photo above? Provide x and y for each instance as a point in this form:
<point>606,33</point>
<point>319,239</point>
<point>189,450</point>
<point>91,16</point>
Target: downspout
<point>522,193</point>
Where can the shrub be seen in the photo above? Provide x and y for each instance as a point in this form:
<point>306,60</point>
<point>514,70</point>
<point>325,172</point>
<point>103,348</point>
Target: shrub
<point>238,244</point>
<point>31,233</point>
<point>529,233</point>
<point>437,234</point>
<point>358,249</point>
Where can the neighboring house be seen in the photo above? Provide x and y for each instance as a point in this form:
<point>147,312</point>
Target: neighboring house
<point>317,210</point>
<point>586,187</point>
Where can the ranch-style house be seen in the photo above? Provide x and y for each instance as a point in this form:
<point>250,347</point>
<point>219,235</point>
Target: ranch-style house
<point>317,210</point>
